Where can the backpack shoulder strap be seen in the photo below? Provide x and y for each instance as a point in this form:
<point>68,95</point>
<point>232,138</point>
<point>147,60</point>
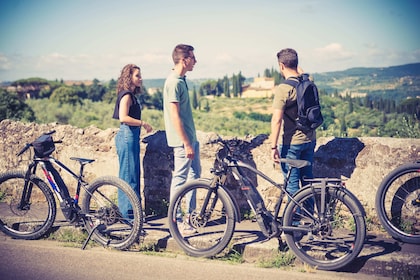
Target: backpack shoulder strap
<point>292,83</point>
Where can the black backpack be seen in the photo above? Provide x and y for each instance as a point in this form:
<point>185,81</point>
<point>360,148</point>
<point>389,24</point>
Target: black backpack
<point>309,111</point>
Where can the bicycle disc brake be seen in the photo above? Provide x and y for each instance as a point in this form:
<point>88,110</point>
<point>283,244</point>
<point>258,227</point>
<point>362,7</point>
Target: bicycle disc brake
<point>109,215</point>
<point>197,221</point>
<point>17,210</point>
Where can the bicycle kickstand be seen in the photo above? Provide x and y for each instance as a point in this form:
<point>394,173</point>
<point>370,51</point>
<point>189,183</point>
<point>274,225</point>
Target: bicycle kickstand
<point>90,235</point>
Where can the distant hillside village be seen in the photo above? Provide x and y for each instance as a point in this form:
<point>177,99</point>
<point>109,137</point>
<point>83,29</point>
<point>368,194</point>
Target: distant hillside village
<point>261,87</point>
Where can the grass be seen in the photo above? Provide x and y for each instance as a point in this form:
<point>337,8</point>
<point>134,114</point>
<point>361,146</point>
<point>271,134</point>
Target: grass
<point>232,257</point>
<point>280,260</point>
<point>71,236</point>
<point>2,195</point>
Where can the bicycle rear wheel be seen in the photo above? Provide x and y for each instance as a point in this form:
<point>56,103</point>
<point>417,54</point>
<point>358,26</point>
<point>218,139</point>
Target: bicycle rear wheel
<point>398,203</point>
<point>204,227</point>
<point>332,240</point>
<point>28,218</point>
<point>103,215</point>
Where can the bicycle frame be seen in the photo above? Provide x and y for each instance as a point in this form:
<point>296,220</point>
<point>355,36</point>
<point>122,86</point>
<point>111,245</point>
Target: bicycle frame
<point>54,179</point>
<point>269,223</point>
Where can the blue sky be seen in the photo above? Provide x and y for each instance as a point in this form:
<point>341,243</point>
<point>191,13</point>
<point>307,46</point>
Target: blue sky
<point>87,39</point>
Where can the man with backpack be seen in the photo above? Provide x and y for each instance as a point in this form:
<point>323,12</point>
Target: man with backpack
<point>293,129</point>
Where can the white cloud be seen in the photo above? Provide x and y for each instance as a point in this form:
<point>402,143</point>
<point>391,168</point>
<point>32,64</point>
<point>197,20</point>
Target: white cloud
<point>334,51</point>
<point>4,63</point>
<point>223,58</point>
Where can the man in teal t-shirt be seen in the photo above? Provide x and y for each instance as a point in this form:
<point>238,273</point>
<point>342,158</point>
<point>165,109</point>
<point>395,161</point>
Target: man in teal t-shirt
<point>179,125</point>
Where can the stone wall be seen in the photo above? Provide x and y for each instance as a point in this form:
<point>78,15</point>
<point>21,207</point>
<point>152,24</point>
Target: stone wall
<point>364,161</point>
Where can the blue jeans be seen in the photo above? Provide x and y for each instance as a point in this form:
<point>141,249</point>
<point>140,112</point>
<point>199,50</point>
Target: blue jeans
<point>127,142</point>
<point>185,169</point>
<point>302,151</point>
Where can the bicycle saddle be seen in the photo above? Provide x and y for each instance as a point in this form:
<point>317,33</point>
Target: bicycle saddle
<point>83,161</point>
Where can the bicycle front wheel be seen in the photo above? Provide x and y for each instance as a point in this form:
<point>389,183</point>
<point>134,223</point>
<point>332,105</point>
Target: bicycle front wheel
<point>26,211</point>
<point>398,203</point>
<point>105,217</point>
<point>201,219</point>
<point>330,229</point>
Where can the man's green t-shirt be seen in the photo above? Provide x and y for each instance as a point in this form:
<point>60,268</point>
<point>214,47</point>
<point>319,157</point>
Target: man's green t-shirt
<point>176,90</point>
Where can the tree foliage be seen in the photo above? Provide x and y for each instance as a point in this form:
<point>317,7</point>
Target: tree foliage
<point>11,107</point>
<point>66,95</point>
<point>216,100</point>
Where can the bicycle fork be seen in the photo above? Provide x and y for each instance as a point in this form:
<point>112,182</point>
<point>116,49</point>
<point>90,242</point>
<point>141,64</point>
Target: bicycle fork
<point>27,189</point>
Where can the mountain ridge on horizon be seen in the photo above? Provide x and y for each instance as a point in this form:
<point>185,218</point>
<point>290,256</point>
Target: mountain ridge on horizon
<point>353,70</point>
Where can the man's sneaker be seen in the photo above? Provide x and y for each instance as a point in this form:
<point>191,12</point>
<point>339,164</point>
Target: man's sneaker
<point>185,228</point>
<point>188,229</point>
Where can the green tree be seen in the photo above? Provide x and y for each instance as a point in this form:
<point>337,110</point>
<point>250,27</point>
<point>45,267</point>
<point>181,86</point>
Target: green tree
<point>65,95</point>
<point>226,86</point>
<point>351,105</point>
<point>241,79</point>
<point>96,91</point>
<point>277,77</point>
<point>210,87</point>
<point>110,95</point>
<point>112,85</point>
<point>343,125</point>
<point>207,105</point>
<point>30,82</point>
<point>235,89</point>
<point>157,100</point>
<point>11,107</point>
<point>32,86</point>
<point>237,82</point>
<point>410,106</point>
<point>195,104</point>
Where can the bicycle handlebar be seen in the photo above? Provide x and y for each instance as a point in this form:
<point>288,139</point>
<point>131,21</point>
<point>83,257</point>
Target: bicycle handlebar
<point>49,133</point>
<point>237,148</point>
<point>28,145</point>
<point>24,149</point>
<point>255,142</point>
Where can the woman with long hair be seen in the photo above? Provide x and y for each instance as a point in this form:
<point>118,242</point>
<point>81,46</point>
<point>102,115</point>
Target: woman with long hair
<point>128,112</point>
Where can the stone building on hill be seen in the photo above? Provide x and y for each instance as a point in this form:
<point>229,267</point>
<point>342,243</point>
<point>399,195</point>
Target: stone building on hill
<point>262,87</point>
